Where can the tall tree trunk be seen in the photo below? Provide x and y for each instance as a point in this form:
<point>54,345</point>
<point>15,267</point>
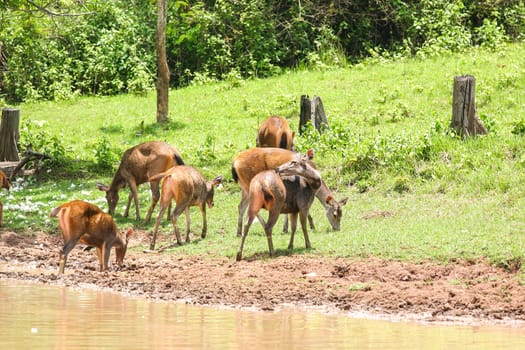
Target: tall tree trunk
<point>9,134</point>
<point>163,73</point>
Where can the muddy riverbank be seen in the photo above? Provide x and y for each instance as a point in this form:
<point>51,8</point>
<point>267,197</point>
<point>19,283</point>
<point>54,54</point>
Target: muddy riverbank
<point>465,291</point>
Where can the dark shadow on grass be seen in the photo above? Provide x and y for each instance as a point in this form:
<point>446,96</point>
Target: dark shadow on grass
<point>157,128</point>
<point>112,129</point>
<point>278,252</point>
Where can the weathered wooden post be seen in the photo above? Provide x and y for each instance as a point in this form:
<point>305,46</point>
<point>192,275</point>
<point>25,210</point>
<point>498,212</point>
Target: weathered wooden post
<point>312,111</point>
<point>465,118</point>
<point>9,134</point>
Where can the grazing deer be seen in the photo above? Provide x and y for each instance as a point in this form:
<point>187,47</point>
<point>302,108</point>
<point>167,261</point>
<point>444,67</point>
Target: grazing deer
<point>250,162</point>
<point>275,132</point>
<point>289,189</point>
<point>138,164</point>
<point>4,183</point>
<point>187,187</point>
<point>85,223</point>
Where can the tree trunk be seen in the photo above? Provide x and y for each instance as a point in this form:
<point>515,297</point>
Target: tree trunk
<point>9,134</point>
<point>312,112</point>
<point>163,73</point>
<point>465,119</point>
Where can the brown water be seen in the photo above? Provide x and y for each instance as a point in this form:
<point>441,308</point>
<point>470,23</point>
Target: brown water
<point>45,317</point>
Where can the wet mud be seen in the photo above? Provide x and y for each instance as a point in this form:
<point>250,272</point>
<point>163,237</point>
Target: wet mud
<point>463,291</point>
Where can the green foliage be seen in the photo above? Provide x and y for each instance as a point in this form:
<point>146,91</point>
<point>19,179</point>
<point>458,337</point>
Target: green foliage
<point>108,47</point>
<point>104,51</point>
<point>206,152</point>
<point>32,136</point>
<point>518,128</point>
<point>106,156</point>
<point>215,40</point>
<point>441,26</point>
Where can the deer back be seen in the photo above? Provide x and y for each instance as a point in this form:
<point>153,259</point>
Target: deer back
<point>275,132</point>
<point>86,222</point>
<point>252,161</point>
<point>147,159</point>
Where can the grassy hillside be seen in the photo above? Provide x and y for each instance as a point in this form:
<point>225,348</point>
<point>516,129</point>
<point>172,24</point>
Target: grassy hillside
<point>416,190</point>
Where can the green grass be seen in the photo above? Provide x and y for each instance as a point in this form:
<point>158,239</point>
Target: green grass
<point>389,151</point>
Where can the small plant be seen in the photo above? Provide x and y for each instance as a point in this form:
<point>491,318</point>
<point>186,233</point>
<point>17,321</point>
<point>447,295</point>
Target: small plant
<point>364,287</point>
<point>518,128</point>
<point>33,136</point>
<point>206,152</point>
<point>105,155</point>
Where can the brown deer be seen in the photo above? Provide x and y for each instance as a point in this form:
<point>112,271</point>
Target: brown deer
<point>4,183</point>
<point>250,162</point>
<point>275,132</point>
<point>85,223</point>
<point>289,189</point>
<point>187,187</point>
<point>138,164</point>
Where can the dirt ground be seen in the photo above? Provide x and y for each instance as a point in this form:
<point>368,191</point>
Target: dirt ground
<point>462,292</point>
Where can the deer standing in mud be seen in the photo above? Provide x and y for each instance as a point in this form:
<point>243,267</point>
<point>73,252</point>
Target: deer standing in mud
<point>187,187</point>
<point>275,132</point>
<point>4,183</point>
<point>83,222</point>
<point>138,164</point>
<point>252,161</point>
<point>289,189</point>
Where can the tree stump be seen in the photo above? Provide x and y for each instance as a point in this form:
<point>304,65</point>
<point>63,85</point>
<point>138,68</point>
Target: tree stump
<point>312,111</point>
<point>9,134</point>
<point>465,118</point>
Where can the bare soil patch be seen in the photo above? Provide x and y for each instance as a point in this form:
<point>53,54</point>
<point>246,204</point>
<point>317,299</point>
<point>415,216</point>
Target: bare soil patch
<point>465,291</point>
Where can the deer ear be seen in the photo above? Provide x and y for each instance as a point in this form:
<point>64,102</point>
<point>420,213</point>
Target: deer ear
<point>310,154</point>
<point>218,180</point>
<point>343,201</point>
<point>329,199</point>
<point>128,233</point>
<point>102,187</point>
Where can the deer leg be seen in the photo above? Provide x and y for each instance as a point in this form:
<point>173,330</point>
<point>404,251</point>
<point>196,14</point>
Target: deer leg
<point>293,220</point>
<point>179,208</point>
<point>272,220</point>
<point>68,246</point>
<point>254,209</point>
<point>285,223</point>
<point>245,233</point>
<point>168,212</point>
<point>100,258</point>
<point>204,222</point>
<point>106,252</point>
<point>261,220</point>
<point>303,218</point>
<point>134,192</point>
<point>157,223</point>
<point>242,208</point>
<point>188,223</point>
<point>155,195</point>
<point>126,211</point>
<point>311,221</point>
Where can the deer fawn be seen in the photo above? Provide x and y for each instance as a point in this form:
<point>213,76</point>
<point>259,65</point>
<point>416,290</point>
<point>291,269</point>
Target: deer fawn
<point>187,187</point>
<point>84,222</point>
<point>289,189</point>
<point>138,164</point>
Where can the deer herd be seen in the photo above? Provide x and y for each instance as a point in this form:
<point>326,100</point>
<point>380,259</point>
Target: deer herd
<point>272,176</point>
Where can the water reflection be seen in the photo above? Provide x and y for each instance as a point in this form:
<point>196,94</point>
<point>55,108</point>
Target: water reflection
<point>44,317</point>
